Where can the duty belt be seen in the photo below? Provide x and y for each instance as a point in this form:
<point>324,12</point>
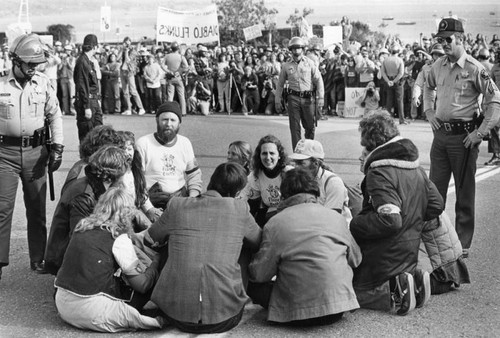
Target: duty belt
<point>305,94</point>
<point>457,127</point>
<point>34,141</point>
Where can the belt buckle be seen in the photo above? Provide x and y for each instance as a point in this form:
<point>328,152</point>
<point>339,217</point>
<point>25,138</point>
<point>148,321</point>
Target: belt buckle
<point>25,141</point>
<point>447,126</point>
<point>301,94</point>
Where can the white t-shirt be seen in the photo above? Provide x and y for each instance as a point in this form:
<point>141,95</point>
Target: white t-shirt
<point>165,164</point>
<point>268,189</point>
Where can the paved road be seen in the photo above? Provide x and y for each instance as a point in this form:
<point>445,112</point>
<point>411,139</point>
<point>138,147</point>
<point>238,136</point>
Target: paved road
<point>26,304</point>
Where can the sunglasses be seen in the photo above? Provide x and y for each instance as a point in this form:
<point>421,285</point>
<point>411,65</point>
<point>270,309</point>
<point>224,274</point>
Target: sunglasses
<point>447,40</point>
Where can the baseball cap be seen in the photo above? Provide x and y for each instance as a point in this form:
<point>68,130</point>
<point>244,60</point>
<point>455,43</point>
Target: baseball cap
<point>306,149</point>
<point>447,27</point>
<point>170,107</point>
<point>437,49</point>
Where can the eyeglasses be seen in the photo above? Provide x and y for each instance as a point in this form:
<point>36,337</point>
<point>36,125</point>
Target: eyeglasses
<point>448,40</point>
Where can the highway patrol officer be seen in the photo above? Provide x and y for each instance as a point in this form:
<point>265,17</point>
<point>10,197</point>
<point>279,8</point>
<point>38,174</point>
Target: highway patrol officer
<point>458,79</point>
<point>27,101</point>
<point>304,83</point>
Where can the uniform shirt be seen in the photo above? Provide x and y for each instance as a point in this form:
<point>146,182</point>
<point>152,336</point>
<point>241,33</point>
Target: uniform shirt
<point>23,110</point>
<point>457,87</point>
<point>392,68</point>
<point>171,166</point>
<point>86,82</point>
<point>303,75</point>
<point>175,62</point>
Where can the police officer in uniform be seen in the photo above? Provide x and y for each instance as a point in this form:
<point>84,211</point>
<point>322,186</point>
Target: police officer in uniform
<point>87,105</point>
<point>27,101</point>
<point>304,83</point>
<point>458,79</point>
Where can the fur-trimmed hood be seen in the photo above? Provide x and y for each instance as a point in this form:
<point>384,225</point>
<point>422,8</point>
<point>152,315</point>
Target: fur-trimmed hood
<point>398,152</point>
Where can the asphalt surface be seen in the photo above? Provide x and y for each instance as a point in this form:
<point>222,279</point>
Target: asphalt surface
<point>26,299</point>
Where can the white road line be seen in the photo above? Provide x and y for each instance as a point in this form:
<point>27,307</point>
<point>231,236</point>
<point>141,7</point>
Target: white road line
<point>481,174</point>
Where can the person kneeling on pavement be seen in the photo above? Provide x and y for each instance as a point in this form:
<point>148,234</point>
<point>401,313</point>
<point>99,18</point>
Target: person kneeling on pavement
<point>310,250</point>
<point>104,279</point>
<point>398,199</point>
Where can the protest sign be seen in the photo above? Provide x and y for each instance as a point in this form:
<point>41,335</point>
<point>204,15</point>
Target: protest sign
<point>105,19</point>
<point>252,32</point>
<point>351,108</point>
<point>190,28</point>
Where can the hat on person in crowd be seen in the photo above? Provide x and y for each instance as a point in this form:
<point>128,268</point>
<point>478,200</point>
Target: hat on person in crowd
<point>170,107</point>
<point>437,49</point>
<point>202,48</point>
<point>306,148</point>
<point>449,26</point>
<point>57,44</point>
<point>68,47</point>
<point>384,51</point>
<point>90,40</point>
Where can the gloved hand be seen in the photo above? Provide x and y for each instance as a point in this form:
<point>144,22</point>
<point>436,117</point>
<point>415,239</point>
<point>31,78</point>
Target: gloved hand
<point>55,158</point>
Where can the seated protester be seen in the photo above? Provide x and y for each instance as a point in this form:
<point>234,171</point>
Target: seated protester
<point>200,288</point>
<point>95,139</point>
<point>106,167</point>
<point>312,254</point>
<point>199,100</point>
<point>398,199</point>
<point>263,188</point>
<point>309,155</point>
<point>441,255</point>
<point>90,292</point>
<point>240,152</point>
<point>134,179</point>
<point>168,158</point>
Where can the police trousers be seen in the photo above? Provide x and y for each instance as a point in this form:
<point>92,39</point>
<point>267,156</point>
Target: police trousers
<point>29,164</point>
<point>300,110</point>
<point>447,157</point>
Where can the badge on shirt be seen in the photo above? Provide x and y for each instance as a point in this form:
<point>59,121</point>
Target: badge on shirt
<point>464,74</point>
<point>485,75</point>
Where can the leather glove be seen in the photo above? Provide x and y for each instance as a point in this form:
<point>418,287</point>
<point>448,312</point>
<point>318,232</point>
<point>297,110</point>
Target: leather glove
<point>55,158</point>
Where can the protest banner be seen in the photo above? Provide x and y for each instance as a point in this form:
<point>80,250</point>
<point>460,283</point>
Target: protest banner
<point>252,32</point>
<point>332,35</point>
<point>190,28</point>
<point>105,18</point>
<point>351,108</point>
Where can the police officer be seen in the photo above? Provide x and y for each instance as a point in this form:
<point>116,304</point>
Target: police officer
<point>174,66</point>
<point>458,79</point>
<point>27,101</point>
<point>304,83</point>
<point>87,105</point>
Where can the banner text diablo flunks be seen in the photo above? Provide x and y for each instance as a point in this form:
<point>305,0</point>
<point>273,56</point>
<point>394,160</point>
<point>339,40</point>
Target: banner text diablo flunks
<point>189,32</point>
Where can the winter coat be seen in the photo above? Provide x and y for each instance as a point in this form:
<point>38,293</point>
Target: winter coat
<point>310,250</point>
<point>389,240</point>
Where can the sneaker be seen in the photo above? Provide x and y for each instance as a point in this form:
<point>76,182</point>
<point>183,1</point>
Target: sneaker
<point>405,293</point>
<point>494,161</point>
<point>38,267</point>
<point>422,287</point>
<point>141,112</point>
<point>127,112</point>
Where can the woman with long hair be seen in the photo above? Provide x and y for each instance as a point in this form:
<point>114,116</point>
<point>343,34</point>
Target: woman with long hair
<point>263,187</point>
<point>101,270</point>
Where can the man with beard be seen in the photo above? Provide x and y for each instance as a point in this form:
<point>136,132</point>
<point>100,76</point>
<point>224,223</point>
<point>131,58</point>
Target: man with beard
<point>27,102</point>
<point>304,85</point>
<point>457,80</point>
<point>168,158</point>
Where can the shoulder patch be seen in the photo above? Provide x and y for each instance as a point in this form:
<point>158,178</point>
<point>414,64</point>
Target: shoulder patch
<point>485,75</point>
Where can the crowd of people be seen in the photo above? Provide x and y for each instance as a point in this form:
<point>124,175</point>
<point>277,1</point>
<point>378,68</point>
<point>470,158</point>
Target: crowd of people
<point>136,242</point>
